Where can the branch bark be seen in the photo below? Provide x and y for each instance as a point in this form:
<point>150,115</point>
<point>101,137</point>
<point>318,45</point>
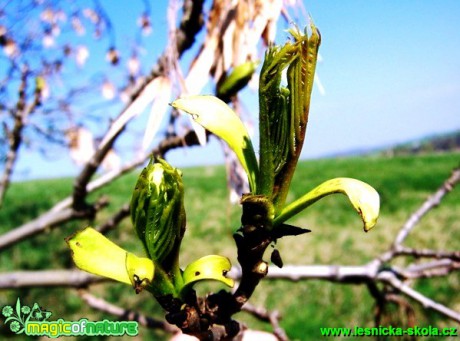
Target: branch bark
<point>62,211</point>
<point>20,116</point>
<point>125,314</point>
<point>426,302</point>
<point>47,278</point>
<point>190,25</point>
<point>54,217</point>
<point>428,205</point>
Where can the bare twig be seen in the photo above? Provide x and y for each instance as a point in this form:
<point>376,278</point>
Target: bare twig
<point>124,314</point>
<point>333,273</point>
<point>190,25</point>
<point>429,204</point>
<point>47,220</point>
<point>427,303</point>
<point>20,116</point>
<point>441,267</point>
<point>273,317</point>
<point>61,212</point>
<point>113,221</point>
<point>427,253</point>
<point>47,278</point>
<point>35,226</point>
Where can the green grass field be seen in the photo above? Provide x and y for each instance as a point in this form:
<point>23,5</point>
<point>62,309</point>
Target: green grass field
<point>337,238</point>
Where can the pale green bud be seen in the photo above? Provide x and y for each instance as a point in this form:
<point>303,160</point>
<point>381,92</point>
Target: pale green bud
<point>157,211</point>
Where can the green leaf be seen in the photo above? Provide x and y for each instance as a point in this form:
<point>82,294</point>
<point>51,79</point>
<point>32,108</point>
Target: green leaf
<point>274,115</point>
<point>210,267</point>
<point>217,117</point>
<point>362,196</point>
<point>94,253</point>
<point>140,271</point>
<point>238,78</point>
<point>284,111</point>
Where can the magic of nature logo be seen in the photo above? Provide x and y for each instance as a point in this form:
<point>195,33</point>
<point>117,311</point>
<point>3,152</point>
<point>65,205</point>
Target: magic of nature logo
<point>34,321</point>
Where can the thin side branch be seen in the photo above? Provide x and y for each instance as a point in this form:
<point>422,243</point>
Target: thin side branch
<point>33,227</point>
<point>427,253</point>
<point>333,273</point>
<point>62,211</point>
<point>20,116</point>
<point>124,314</point>
<point>113,221</point>
<point>47,278</point>
<point>427,303</point>
<point>273,317</point>
<point>47,220</point>
<point>428,205</point>
<point>190,25</point>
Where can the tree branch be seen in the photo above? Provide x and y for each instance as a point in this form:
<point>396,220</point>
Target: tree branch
<point>426,253</point>
<point>48,219</point>
<point>273,317</point>
<point>125,314</point>
<point>61,212</point>
<point>427,303</point>
<point>54,217</point>
<point>190,25</point>
<point>428,205</point>
<point>47,278</point>
<point>113,221</point>
<point>20,116</point>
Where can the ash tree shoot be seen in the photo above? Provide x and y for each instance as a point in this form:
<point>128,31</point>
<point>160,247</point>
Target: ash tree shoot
<point>159,216</point>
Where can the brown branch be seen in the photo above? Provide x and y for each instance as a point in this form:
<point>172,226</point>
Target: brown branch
<point>113,221</point>
<point>404,306</point>
<point>20,116</point>
<point>426,253</point>
<point>33,227</point>
<point>62,211</point>
<point>124,314</point>
<point>273,317</point>
<point>167,144</point>
<point>190,25</point>
<point>54,217</point>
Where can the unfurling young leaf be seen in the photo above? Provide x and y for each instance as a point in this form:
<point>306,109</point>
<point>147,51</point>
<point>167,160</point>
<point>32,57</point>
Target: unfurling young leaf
<point>284,111</point>
<point>217,117</point>
<point>362,196</point>
<point>139,271</point>
<point>94,253</point>
<point>210,267</point>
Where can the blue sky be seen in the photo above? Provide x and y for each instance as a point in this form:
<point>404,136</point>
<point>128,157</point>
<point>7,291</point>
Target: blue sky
<point>391,72</point>
<point>390,69</point>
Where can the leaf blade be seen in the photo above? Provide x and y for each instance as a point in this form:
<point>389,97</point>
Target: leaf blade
<point>212,267</point>
<point>94,253</point>
<point>217,117</point>
<point>363,197</point>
